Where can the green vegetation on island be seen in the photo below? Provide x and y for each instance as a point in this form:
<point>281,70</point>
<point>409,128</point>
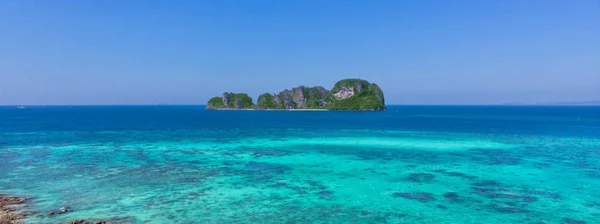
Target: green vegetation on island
<point>231,101</point>
<point>346,94</point>
<point>268,101</point>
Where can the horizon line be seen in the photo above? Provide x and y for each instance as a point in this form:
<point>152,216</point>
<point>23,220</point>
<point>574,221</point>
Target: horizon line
<point>199,105</point>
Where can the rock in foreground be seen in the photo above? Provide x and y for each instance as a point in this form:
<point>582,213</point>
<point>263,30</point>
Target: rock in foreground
<point>9,213</point>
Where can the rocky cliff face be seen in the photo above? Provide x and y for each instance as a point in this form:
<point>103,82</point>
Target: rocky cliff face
<point>286,98</point>
<point>299,98</point>
<point>346,90</point>
<point>344,93</point>
<point>319,94</point>
<point>322,92</point>
<point>225,99</point>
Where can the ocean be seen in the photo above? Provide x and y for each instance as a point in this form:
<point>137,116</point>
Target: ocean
<point>410,164</point>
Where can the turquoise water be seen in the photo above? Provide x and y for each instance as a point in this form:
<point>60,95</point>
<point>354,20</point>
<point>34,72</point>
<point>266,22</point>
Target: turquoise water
<point>411,164</point>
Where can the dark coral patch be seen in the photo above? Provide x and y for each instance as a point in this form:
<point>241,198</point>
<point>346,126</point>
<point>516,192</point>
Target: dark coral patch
<point>280,184</point>
<point>459,174</point>
<point>271,153</point>
<point>509,210</point>
<point>540,193</point>
<point>231,163</point>
<point>487,183</point>
<point>572,221</point>
<point>494,193</point>
<point>593,204</point>
<point>419,196</point>
<point>494,157</point>
<point>313,183</point>
<point>441,207</point>
<point>326,193</point>
<point>593,173</point>
<point>420,177</point>
<point>266,167</point>
<point>529,199</point>
<point>455,174</point>
<point>451,196</point>
<point>485,192</point>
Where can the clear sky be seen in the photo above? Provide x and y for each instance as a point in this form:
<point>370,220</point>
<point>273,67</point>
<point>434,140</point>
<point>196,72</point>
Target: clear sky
<point>184,52</point>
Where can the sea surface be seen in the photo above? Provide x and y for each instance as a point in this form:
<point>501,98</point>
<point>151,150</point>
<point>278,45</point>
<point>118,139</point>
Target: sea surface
<point>410,164</point>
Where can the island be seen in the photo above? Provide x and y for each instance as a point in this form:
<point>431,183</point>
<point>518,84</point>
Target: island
<point>346,94</point>
<point>231,101</point>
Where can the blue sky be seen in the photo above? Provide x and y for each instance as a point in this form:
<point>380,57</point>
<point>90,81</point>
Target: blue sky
<point>184,52</point>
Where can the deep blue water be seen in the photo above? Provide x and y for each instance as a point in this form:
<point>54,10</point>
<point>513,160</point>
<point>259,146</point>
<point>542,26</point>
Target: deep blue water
<point>509,119</point>
<point>410,164</point>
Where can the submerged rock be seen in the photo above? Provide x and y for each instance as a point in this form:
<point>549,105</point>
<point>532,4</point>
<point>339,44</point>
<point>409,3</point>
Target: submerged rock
<point>64,210</point>
<point>10,213</point>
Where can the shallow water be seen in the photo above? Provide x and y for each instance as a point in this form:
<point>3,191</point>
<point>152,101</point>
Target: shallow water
<point>411,164</point>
